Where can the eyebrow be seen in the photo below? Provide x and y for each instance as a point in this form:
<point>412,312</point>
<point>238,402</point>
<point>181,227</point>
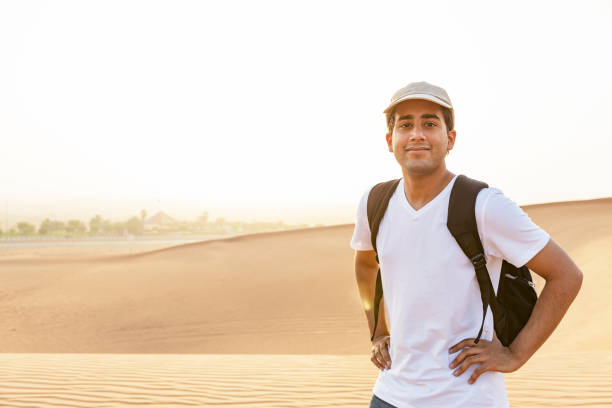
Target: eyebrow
<point>423,116</point>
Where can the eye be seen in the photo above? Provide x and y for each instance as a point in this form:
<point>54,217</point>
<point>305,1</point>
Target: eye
<point>405,125</point>
<point>431,124</point>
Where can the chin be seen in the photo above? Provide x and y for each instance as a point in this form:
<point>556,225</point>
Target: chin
<point>418,169</point>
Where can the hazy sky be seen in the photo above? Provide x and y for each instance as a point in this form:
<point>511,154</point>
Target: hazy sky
<point>273,110</point>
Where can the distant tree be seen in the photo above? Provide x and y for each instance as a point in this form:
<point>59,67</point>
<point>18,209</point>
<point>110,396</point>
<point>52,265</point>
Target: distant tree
<point>50,226</point>
<point>95,224</point>
<point>25,228</point>
<point>118,227</point>
<point>203,219</point>
<point>134,226</point>
<point>43,229</point>
<point>143,215</point>
<point>75,227</point>
<point>107,227</point>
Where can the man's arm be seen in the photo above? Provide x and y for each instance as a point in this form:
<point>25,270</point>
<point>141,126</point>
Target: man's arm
<point>563,281</point>
<point>366,269</point>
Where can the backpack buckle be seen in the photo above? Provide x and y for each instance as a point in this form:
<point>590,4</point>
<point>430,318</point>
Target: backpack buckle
<point>478,261</point>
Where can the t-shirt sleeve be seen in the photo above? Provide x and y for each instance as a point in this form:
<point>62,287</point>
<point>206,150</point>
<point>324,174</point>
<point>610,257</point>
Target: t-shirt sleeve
<point>506,230</point>
<point>361,240</point>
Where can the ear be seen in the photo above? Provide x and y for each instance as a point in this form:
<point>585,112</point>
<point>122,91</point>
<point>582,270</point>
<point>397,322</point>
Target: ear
<point>389,138</point>
<point>451,139</point>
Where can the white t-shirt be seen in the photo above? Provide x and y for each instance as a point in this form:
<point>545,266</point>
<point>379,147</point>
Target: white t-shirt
<point>432,296</point>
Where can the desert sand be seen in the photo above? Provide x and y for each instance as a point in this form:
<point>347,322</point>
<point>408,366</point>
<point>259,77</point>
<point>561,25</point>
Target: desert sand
<point>262,320</point>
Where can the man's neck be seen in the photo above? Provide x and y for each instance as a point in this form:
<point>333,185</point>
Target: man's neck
<point>421,189</point>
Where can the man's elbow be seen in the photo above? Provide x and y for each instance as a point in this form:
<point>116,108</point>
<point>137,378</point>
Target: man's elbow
<point>577,277</point>
<point>570,279</point>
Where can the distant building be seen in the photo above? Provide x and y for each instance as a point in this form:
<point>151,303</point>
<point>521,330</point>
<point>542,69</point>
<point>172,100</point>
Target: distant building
<point>159,222</point>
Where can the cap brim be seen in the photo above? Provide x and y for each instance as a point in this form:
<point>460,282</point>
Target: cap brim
<point>426,97</point>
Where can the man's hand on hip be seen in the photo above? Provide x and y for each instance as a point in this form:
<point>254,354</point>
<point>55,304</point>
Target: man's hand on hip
<point>380,353</point>
<point>492,356</point>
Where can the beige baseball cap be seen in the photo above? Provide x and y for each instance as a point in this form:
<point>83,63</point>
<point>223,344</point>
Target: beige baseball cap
<point>421,90</point>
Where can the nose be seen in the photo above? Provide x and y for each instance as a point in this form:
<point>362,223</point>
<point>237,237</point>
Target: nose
<point>417,134</point>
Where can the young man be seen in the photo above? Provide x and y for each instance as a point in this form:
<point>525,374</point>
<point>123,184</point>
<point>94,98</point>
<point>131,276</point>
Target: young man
<point>431,295</point>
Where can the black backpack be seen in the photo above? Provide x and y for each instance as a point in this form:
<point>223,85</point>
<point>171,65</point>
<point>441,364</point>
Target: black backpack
<point>516,294</point>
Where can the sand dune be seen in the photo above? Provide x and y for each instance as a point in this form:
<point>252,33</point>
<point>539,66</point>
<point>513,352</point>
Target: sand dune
<point>269,319</point>
<point>249,294</point>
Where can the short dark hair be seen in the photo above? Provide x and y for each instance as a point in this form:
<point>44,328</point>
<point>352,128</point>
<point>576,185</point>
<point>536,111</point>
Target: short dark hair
<point>446,114</point>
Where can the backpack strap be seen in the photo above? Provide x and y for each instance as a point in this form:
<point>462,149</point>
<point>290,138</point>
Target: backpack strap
<point>462,225</point>
<point>378,201</point>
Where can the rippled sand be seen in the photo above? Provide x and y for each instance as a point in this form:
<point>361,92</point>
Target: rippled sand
<point>256,380</point>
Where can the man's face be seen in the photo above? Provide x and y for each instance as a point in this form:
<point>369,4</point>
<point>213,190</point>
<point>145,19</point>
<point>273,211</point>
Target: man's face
<point>419,138</point>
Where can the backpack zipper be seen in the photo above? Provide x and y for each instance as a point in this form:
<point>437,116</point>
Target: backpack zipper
<point>521,279</point>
